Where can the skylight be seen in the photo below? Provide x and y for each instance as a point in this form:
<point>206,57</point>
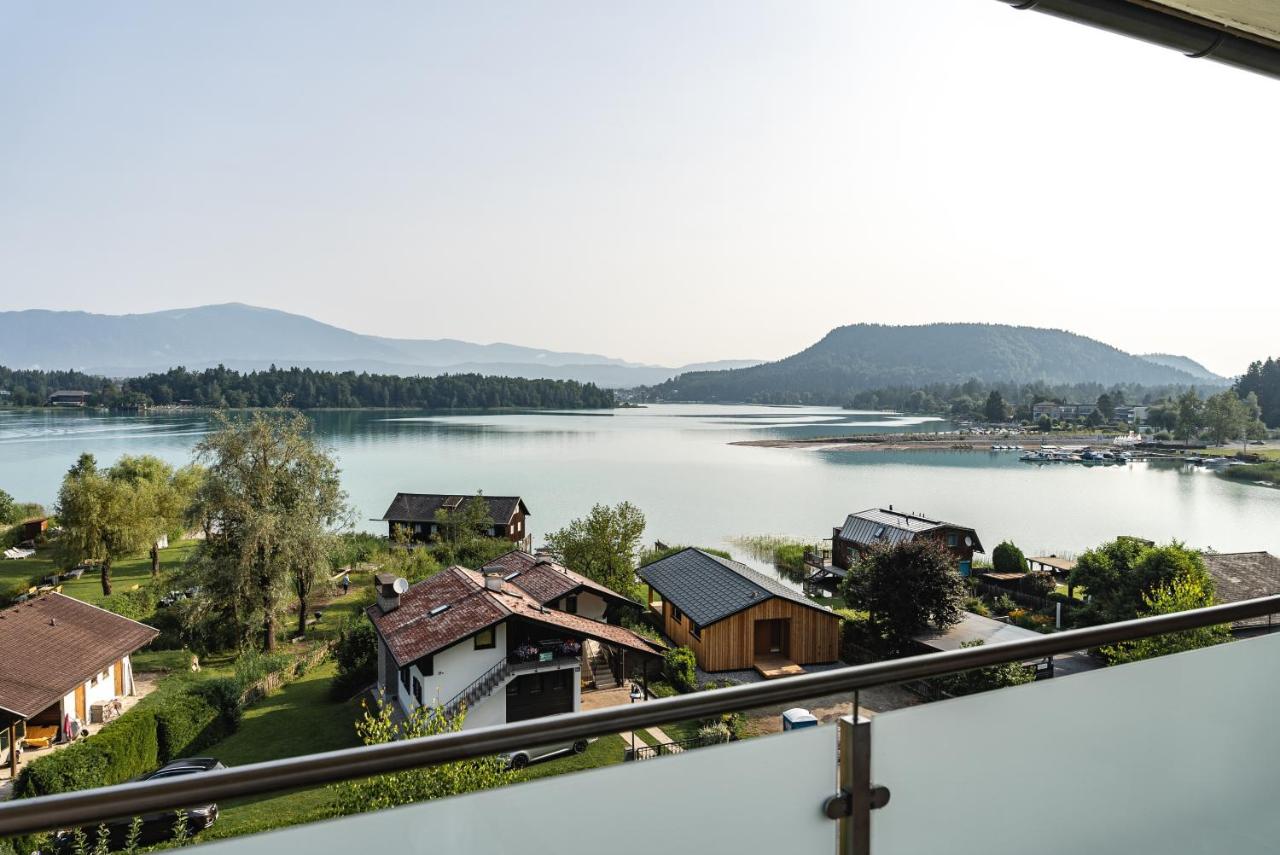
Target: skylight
<point>510,576</point>
<point>439,610</point>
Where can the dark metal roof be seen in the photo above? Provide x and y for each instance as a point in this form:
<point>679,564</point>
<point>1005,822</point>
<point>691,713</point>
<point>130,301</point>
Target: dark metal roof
<point>53,643</point>
<point>422,507</point>
<point>708,588</point>
<point>878,525</point>
<point>1243,576</point>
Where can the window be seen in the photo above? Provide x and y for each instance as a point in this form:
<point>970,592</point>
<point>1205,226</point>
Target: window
<point>417,690</point>
<point>695,630</point>
<point>427,665</point>
<point>953,539</point>
<point>404,678</point>
<point>486,639</point>
<point>571,604</point>
<point>676,614</point>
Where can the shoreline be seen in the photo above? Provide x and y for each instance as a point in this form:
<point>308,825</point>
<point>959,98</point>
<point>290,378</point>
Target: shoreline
<point>925,442</point>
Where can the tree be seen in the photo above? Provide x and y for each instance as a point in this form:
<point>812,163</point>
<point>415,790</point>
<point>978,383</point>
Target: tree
<point>1182,593</point>
<point>602,546</point>
<point>378,726</point>
<point>103,517</point>
<point>271,501</point>
<point>994,409</point>
<point>984,679</point>
<point>1106,408</point>
<point>1228,418</point>
<point>8,508</point>
<point>1008,558</point>
<point>167,493</point>
<point>1118,575</point>
<point>1190,416</point>
<point>906,588</point>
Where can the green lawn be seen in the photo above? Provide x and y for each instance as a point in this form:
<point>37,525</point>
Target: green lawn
<point>126,573</point>
<point>1268,454</point>
<point>299,719</point>
<point>605,751</point>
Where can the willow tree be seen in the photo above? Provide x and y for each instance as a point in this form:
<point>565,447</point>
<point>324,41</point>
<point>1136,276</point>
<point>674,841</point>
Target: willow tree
<point>103,518</point>
<point>165,493</point>
<point>270,501</point>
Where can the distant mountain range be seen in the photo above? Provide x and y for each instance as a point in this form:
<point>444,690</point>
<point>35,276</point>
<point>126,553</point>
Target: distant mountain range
<point>1183,363</point>
<point>248,338</point>
<point>861,357</point>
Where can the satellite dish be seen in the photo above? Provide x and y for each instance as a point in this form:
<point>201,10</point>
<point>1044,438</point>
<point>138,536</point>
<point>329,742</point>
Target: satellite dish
<point>968,541</point>
<point>400,585</point>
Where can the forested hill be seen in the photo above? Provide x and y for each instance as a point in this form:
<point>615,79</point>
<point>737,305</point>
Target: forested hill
<point>859,357</point>
<point>305,389</point>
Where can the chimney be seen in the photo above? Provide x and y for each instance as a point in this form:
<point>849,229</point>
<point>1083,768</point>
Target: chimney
<point>493,578</point>
<point>390,587</point>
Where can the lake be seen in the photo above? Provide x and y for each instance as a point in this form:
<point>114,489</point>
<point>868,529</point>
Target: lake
<point>675,462</point>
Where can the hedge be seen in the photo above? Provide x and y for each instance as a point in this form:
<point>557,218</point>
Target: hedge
<point>680,667</point>
<point>138,742</point>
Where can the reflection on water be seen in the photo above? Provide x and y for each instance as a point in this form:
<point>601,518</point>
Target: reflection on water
<point>676,463</point>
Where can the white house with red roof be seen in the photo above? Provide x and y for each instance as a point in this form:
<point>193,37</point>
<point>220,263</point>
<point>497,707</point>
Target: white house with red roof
<point>514,641</point>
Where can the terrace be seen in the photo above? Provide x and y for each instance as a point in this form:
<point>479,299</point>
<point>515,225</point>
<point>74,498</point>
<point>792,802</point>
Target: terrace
<point>1146,737</point>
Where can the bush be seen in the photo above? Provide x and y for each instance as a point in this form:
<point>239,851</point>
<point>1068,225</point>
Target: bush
<point>713,732</point>
<point>253,665</point>
<point>225,695</point>
<point>186,724</point>
<point>857,641</point>
<point>680,666</point>
<point>356,654</point>
<point>1008,558</point>
<point>1003,604</point>
<point>124,749</point>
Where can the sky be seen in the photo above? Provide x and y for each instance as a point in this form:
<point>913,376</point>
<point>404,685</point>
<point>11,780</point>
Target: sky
<point>665,182</point>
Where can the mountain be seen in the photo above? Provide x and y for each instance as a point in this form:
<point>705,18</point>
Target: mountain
<point>1184,363</point>
<point>248,338</point>
<point>859,357</point>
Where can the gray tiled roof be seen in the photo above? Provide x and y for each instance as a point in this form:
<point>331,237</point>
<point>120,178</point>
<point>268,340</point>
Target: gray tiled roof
<point>708,588</point>
<point>422,507</point>
<point>878,525</point>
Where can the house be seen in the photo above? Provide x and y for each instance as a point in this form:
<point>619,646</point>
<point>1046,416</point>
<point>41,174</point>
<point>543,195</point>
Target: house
<point>975,628</point>
<point>556,586</point>
<point>478,640</point>
<point>1244,576</point>
<point>1132,415</point>
<point>868,528</point>
<point>416,513</point>
<point>34,528</point>
<point>1061,412</point>
<point>68,398</point>
<point>734,618</point>
<point>59,659</point>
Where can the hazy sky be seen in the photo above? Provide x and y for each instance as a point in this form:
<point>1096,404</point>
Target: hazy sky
<point>664,182</point>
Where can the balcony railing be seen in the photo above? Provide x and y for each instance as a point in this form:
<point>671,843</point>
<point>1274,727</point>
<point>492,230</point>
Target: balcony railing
<point>1170,754</point>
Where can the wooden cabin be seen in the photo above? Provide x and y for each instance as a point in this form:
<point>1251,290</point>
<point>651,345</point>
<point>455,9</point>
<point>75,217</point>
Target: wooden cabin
<point>423,515</point>
<point>734,618</point>
<point>868,528</point>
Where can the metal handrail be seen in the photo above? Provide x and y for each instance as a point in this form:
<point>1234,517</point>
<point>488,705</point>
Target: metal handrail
<point>85,807</point>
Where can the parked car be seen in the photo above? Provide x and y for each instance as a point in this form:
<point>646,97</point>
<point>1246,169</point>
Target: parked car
<point>525,756</point>
<point>156,827</point>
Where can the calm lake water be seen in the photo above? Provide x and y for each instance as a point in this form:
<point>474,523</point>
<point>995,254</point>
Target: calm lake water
<point>675,462</point>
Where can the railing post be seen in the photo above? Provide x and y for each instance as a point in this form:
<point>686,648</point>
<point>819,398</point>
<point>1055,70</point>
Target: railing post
<point>852,806</point>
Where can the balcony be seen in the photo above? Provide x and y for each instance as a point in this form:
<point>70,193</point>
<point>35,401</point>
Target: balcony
<point>1168,755</point>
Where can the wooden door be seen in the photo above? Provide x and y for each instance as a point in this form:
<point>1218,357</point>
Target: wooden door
<point>119,672</point>
<point>771,637</point>
<point>80,708</point>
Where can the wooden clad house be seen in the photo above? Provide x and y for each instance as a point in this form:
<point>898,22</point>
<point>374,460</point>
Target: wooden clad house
<point>59,658</point>
<point>419,514</point>
<point>734,618</point>
<point>867,528</point>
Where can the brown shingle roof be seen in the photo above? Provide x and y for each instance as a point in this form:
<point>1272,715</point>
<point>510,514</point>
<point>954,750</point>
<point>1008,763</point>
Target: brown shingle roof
<point>546,580</point>
<point>53,643</point>
<point>412,631</point>
<point>1243,576</point>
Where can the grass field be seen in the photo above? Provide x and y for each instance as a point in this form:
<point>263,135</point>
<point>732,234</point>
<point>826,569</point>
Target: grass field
<point>125,573</point>
<point>299,719</point>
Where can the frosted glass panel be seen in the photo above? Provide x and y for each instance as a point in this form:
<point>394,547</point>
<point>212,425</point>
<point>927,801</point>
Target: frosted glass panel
<point>1173,755</point>
<point>761,795</point>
